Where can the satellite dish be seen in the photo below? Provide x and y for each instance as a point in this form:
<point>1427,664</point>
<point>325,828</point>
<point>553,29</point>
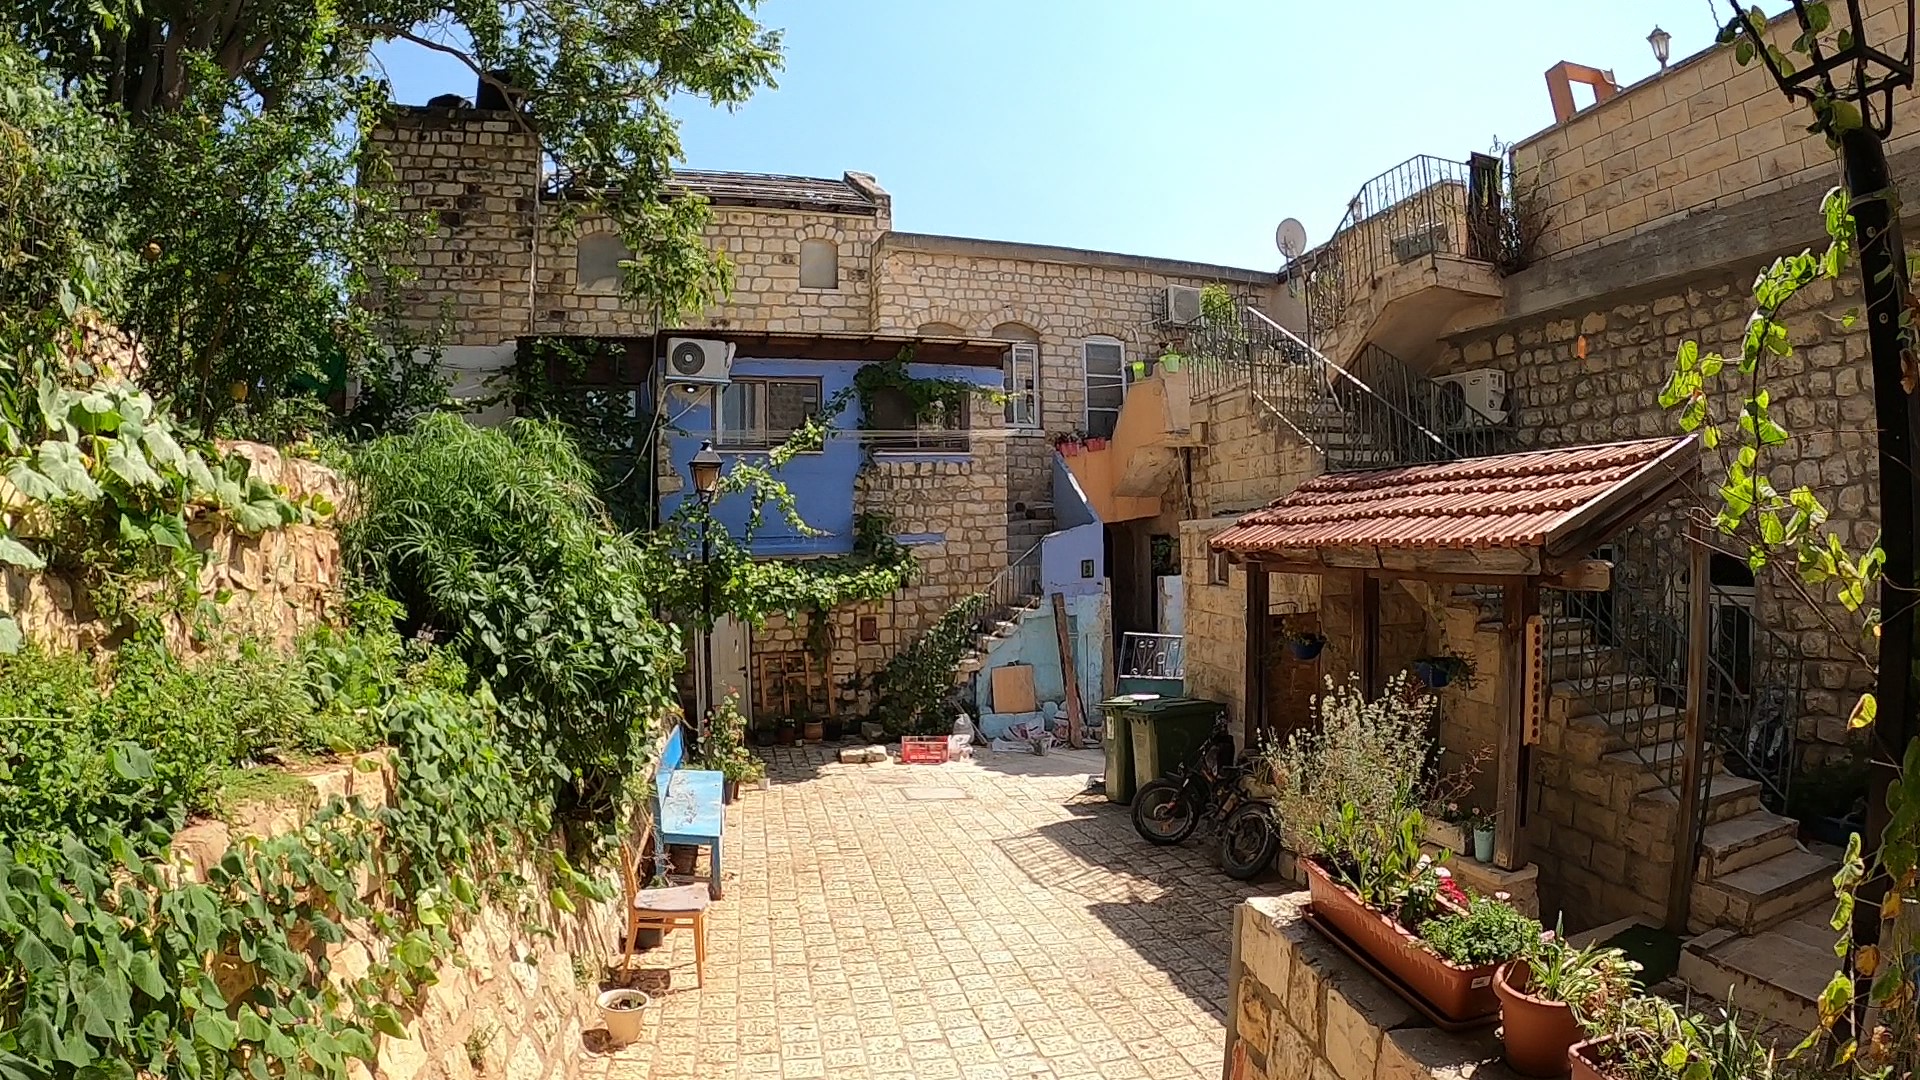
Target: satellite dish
<point>1291,238</point>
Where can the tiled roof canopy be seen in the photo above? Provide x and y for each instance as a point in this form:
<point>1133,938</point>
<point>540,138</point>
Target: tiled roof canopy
<point>1543,503</point>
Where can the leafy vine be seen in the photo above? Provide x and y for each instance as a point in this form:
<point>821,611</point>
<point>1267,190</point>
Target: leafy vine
<point>929,398</point>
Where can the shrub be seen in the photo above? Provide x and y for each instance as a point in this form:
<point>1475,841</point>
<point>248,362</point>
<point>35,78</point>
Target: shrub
<point>1372,755</point>
<point>494,543</point>
<point>1487,932</point>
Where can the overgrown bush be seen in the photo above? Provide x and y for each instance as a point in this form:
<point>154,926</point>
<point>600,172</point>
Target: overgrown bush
<point>152,736</point>
<point>494,543</point>
<point>1373,755</point>
<point>913,688</point>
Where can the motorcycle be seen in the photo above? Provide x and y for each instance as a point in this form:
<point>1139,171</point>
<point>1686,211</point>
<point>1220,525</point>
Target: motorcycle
<point>1213,787</point>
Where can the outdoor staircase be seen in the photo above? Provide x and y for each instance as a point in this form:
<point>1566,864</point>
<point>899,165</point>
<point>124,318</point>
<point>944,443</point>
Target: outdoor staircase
<point>1760,896</point>
<point>1372,413</point>
<point>1014,594</point>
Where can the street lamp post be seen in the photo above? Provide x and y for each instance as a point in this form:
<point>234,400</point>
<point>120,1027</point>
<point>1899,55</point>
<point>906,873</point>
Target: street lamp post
<point>1661,42</point>
<point>705,471</point>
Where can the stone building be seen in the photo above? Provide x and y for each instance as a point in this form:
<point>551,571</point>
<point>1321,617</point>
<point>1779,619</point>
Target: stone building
<point>1457,313</point>
<point>504,263</point>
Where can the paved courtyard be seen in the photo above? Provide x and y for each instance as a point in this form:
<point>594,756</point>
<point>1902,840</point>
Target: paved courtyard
<point>976,921</point>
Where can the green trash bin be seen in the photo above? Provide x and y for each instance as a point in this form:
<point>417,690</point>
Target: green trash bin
<point>1169,732</point>
<point>1117,742</point>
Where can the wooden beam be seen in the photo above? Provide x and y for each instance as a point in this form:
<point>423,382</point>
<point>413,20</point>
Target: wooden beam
<point>1076,729</point>
<point>1253,714</point>
<point>1692,766</point>
<point>1509,840</point>
<point>1502,562</point>
<point>1366,631</point>
<point>1587,575</point>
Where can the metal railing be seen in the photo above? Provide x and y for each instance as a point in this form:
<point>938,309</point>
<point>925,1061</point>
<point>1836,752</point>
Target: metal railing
<point>1423,206</point>
<point>1355,422</point>
<point>1152,656</point>
<point>1013,588</point>
<point>1626,651</point>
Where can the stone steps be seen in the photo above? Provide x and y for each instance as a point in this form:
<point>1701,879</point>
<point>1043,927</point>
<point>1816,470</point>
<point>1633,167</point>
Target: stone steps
<point>1738,843</point>
<point>1756,897</point>
<point>1649,765</point>
<point>1601,694</point>
<point>1777,973</point>
<point>1644,724</point>
<point>1728,797</point>
<point>1582,660</point>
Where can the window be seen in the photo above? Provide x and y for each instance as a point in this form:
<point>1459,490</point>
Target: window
<point>757,414</point>
<point>1217,567</point>
<point>597,262</point>
<point>895,427</point>
<point>1022,374</point>
<point>819,264</point>
<point>1105,360</point>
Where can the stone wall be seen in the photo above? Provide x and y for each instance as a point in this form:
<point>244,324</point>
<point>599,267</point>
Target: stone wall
<point>1301,1009</point>
<point>1705,133</point>
<point>526,999</point>
<point>1248,457</point>
<point>1592,373</point>
<point>278,583</point>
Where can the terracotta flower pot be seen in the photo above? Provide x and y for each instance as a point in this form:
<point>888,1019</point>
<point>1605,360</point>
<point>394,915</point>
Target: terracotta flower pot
<point>1588,1060</point>
<point>787,735</point>
<point>813,731</point>
<point>729,791</point>
<point>1458,994</point>
<point>1538,1033</point>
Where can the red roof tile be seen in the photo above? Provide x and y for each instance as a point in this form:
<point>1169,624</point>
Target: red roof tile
<point>1506,501</point>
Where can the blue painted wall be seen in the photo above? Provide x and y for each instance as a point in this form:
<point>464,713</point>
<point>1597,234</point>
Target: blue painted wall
<point>822,482</point>
<point>1036,642</point>
<point>1081,537</point>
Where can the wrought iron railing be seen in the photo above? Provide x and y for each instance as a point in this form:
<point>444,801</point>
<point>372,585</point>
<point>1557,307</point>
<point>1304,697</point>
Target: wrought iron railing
<point>1626,651</point>
<point>1354,422</point>
<point>1152,656</point>
<point>1423,206</point>
<point>1013,588</point>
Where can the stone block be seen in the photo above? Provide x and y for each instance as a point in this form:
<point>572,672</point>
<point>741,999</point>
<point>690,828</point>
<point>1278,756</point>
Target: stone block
<point>1425,1053</point>
<point>1291,1055</point>
<point>1253,1014</point>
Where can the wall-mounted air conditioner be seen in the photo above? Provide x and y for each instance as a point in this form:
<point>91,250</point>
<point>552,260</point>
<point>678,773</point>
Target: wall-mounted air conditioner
<point>698,360</point>
<point>1183,305</point>
<point>1467,393</point>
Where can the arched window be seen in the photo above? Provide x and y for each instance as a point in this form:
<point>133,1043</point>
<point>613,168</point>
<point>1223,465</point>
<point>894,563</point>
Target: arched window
<point>1105,361</point>
<point>939,329</point>
<point>819,264</point>
<point>597,263</point>
<point>1022,373</point>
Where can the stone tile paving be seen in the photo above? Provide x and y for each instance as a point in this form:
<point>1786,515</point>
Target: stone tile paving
<point>980,921</point>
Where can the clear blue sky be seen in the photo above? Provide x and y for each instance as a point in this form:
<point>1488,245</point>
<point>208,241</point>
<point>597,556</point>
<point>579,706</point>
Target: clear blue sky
<point>1178,128</point>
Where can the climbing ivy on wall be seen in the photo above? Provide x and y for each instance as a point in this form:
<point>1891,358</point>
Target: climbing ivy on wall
<point>928,397</point>
<point>913,687</point>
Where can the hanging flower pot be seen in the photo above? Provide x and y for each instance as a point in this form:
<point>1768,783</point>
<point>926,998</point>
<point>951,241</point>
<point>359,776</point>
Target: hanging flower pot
<point>1306,646</point>
<point>1432,675</point>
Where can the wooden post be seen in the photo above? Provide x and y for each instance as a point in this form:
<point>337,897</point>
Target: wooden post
<point>1520,600</point>
<point>1076,732</point>
<point>1253,712</point>
<point>1699,638</point>
<point>1366,631</point>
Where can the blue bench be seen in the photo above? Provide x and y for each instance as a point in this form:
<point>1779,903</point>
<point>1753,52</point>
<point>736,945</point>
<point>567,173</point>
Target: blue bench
<point>687,806</point>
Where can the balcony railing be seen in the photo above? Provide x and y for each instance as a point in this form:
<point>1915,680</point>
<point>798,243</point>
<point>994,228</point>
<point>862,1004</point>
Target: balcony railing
<point>1152,656</point>
<point>1423,206</point>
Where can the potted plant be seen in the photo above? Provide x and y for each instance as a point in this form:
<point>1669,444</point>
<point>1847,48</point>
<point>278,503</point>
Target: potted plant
<point>620,1011</point>
<point>1373,886</point>
<point>1643,1037</point>
<point>1069,443</point>
<point>789,731</point>
<point>1445,828</point>
<point>1445,669</point>
<point>1546,995</point>
<point>742,768</point>
<point>835,729</point>
<point>1478,825</point>
<point>1305,644</point>
<point>763,735</point>
<point>1095,442</point>
<point>812,728</point>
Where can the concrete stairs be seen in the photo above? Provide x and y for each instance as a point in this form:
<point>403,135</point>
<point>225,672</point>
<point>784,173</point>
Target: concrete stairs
<point>1778,972</point>
<point>994,627</point>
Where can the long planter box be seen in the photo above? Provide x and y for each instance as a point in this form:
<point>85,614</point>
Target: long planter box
<point>1587,1060</point>
<point>1458,994</point>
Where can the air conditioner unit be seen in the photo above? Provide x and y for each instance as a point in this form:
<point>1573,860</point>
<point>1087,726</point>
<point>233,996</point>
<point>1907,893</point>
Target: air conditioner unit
<point>1467,398</point>
<point>1183,305</point>
<point>698,360</point>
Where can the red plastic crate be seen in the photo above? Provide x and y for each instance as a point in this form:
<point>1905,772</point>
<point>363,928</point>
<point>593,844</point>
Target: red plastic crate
<point>923,750</point>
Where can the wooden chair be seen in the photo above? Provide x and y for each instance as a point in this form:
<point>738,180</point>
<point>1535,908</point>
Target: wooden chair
<point>665,910</point>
